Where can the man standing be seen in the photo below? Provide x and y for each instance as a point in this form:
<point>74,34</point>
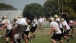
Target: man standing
<point>71,26</point>
<point>40,20</point>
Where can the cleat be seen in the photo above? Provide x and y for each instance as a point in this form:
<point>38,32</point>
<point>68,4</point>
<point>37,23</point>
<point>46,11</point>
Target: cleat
<point>2,37</point>
<point>30,40</point>
<point>72,36</point>
<point>68,40</point>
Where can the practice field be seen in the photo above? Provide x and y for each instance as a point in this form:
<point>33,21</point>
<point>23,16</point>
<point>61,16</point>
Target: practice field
<point>41,37</point>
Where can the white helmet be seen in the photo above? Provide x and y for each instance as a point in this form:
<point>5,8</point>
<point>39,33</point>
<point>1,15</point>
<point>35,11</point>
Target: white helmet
<point>62,19</point>
<point>20,16</point>
<point>56,16</point>
<point>4,17</point>
<point>51,19</point>
<point>15,18</point>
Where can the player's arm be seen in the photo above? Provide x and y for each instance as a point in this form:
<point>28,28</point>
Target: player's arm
<point>12,24</point>
<point>4,25</point>
<point>52,29</point>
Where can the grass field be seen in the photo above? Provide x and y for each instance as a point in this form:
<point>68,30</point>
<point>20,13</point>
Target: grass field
<point>41,37</point>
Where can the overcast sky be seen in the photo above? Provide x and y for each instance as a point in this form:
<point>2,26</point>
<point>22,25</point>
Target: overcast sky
<point>20,4</point>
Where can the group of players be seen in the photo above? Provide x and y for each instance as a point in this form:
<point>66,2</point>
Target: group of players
<point>22,27</point>
<point>61,28</point>
<point>19,30</point>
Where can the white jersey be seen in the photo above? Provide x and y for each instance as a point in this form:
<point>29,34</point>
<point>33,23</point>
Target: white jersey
<point>36,21</point>
<point>59,23</point>
<point>22,24</point>
<point>64,23</point>
<point>27,29</point>
<point>7,23</point>
<point>56,27</point>
<point>40,20</point>
<point>33,24</point>
<point>15,24</point>
<point>22,21</point>
<point>58,19</point>
<point>71,22</point>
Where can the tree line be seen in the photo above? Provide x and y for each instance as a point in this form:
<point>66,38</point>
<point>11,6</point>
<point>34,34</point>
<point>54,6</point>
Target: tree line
<point>49,8</point>
<point>4,6</point>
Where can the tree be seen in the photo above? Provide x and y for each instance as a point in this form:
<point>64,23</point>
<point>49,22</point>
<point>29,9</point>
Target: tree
<point>69,7</point>
<point>51,7</point>
<point>70,12</point>
<point>70,3</point>
<point>4,6</point>
<point>35,9</point>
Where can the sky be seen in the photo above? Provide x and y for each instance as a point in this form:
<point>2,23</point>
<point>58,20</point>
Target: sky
<point>20,4</point>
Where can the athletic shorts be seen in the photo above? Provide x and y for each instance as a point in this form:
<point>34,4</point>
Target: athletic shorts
<point>26,32</point>
<point>33,29</point>
<point>66,32</point>
<point>56,36</point>
<point>71,27</point>
<point>36,26</point>
<point>8,33</point>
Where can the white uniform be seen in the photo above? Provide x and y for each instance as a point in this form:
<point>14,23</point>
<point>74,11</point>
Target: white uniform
<point>59,23</point>
<point>27,29</point>
<point>64,23</point>
<point>22,24</point>
<point>9,27</point>
<point>40,20</point>
<point>57,32</point>
<point>36,21</point>
<point>71,23</point>
<point>15,24</point>
<point>33,24</point>
<point>58,19</point>
<point>56,27</point>
<point>22,21</point>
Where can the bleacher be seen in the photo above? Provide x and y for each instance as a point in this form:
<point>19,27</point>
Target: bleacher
<point>10,14</point>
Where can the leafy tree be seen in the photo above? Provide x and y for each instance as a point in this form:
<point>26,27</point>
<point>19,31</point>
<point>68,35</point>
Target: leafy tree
<point>70,12</point>
<point>69,7</point>
<point>70,3</point>
<point>51,7</point>
<point>4,6</point>
<point>35,9</point>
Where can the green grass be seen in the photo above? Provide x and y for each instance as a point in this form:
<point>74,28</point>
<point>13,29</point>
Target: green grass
<point>41,37</point>
<point>45,25</point>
